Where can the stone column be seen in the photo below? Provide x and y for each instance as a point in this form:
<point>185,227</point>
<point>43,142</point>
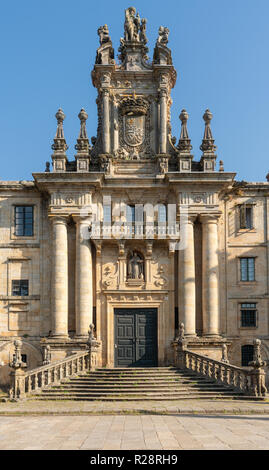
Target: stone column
<point>186,276</point>
<point>163,121</point>
<point>59,287</point>
<point>106,123</point>
<point>116,125</point>
<point>210,275</point>
<point>83,277</point>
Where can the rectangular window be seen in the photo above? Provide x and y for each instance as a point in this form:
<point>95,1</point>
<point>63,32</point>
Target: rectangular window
<point>24,358</point>
<point>24,226</point>
<point>130,214</point>
<point>248,315</point>
<point>247,269</point>
<point>20,287</point>
<point>247,354</point>
<point>162,213</point>
<point>107,214</point>
<point>246,216</point>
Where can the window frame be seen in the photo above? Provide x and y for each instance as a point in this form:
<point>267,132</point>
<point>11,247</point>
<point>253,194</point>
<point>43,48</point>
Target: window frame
<point>248,307</point>
<point>20,281</point>
<point>243,207</point>
<point>251,359</point>
<point>23,235</point>
<point>248,269</point>
<point>164,208</point>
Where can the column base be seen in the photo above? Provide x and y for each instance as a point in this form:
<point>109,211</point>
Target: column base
<point>211,336</point>
<point>59,337</point>
<point>81,337</point>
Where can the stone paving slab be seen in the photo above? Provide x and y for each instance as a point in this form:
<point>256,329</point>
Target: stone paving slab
<point>188,432</point>
<point>35,407</point>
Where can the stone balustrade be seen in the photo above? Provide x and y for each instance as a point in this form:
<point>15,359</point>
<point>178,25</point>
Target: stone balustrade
<point>33,381</point>
<point>250,382</point>
<point>40,378</point>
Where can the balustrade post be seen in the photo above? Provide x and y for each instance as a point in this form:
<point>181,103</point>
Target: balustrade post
<point>257,374</point>
<point>207,371</point>
<point>29,384</point>
<point>17,374</point>
<point>49,376</point>
<point>93,346</point>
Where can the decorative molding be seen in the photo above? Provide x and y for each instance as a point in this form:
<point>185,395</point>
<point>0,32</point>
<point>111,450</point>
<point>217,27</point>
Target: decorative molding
<point>198,198</point>
<point>70,199</point>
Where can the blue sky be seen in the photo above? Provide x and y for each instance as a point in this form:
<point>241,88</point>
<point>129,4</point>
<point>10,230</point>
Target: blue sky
<point>219,48</point>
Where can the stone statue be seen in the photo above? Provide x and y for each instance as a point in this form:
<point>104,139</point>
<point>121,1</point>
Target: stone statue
<point>181,331</point>
<point>103,34</point>
<point>131,25</point>
<point>224,357</point>
<point>163,35</point>
<point>135,267</point>
<point>91,335</point>
<point>142,36</point>
<point>105,52</point>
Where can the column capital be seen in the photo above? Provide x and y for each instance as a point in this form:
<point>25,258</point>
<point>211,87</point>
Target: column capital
<point>191,219</point>
<point>209,218</point>
<point>59,219</point>
<point>105,92</point>
<point>82,220</point>
<point>98,246</point>
<point>163,93</point>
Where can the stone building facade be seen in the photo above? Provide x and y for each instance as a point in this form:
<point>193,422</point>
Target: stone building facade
<point>133,235</point>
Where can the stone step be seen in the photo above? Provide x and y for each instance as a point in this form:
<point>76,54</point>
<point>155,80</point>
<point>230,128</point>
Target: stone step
<point>136,369</point>
<point>137,384</point>
<point>140,376</point>
<point>156,397</point>
<point>135,392</point>
<point>140,387</point>
<point>128,380</point>
<point>139,390</point>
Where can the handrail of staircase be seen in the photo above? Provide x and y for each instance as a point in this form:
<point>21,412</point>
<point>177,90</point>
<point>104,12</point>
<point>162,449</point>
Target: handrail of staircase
<point>251,382</point>
<point>35,380</point>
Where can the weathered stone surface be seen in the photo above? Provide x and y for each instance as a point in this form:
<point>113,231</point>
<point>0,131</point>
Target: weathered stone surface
<point>134,160</point>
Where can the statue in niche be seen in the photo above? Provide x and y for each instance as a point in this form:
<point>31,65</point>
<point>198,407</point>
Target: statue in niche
<point>135,266</point>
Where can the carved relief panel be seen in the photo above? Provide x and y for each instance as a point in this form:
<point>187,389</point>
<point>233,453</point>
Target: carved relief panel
<point>137,268</point>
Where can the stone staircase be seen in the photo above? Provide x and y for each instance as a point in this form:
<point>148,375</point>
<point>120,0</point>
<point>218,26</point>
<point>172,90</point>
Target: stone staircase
<point>125,384</point>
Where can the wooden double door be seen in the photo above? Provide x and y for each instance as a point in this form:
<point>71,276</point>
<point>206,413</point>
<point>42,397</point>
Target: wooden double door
<point>136,337</point>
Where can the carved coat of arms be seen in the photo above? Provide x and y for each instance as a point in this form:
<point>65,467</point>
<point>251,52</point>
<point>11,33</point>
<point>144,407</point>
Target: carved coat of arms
<point>134,130</point>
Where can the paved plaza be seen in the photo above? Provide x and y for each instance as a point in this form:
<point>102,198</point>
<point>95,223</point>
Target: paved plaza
<point>65,407</point>
<point>134,432</point>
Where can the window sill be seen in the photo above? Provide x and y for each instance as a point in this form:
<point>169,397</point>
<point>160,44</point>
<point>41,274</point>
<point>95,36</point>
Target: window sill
<point>23,237</point>
<point>248,327</point>
<point>246,230</point>
<point>19,297</point>
<point>247,283</point>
